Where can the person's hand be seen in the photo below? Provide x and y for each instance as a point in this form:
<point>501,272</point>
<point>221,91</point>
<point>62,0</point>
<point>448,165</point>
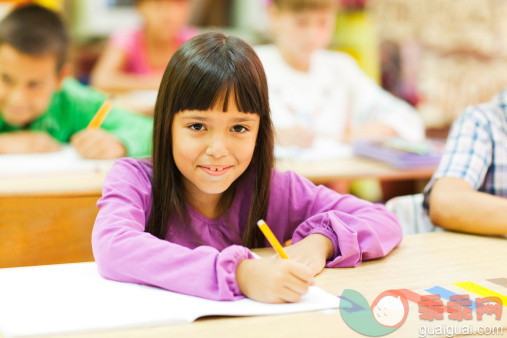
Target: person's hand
<point>97,144</point>
<point>23,142</point>
<point>272,280</point>
<point>295,136</point>
<point>373,131</point>
<point>312,251</point>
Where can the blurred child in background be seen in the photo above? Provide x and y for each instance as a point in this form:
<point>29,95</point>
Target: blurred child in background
<point>41,107</point>
<point>136,58</point>
<point>468,191</point>
<point>314,91</point>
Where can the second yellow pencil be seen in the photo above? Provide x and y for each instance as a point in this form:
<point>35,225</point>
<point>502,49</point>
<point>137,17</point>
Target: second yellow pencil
<point>101,114</point>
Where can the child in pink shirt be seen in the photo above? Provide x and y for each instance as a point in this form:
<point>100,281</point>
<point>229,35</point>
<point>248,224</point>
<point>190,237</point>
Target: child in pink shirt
<point>185,220</point>
<point>136,58</point>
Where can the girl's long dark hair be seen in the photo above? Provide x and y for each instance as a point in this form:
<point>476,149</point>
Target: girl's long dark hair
<point>202,74</point>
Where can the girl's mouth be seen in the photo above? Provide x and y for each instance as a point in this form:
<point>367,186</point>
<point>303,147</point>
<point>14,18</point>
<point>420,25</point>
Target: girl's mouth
<point>215,170</point>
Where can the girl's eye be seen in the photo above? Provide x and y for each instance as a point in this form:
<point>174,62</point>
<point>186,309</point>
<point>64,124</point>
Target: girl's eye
<point>197,126</point>
<point>239,129</point>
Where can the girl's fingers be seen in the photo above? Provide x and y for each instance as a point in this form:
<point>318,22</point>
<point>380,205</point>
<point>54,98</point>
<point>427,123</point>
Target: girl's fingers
<point>315,267</point>
<point>290,296</point>
<point>301,272</point>
<point>297,286</point>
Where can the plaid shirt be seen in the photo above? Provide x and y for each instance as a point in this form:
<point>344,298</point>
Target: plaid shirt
<point>476,149</point>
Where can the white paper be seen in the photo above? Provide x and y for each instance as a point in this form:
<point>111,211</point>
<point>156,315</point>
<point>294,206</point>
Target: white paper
<point>69,298</point>
<point>67,160</point>
<point>321,149</point>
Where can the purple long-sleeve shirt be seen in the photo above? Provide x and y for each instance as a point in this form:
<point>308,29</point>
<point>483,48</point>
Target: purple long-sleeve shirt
<point>297,208</point>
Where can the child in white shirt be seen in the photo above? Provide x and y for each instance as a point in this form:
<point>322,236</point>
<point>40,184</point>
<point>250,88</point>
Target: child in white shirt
<point>314,91</point>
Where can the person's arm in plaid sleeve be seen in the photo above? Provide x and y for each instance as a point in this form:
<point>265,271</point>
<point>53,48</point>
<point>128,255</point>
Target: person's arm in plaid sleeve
<point>455,203</point>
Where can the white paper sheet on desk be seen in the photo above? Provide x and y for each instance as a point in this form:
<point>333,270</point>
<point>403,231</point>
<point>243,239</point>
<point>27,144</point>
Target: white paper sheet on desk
<point>67,298</point>
<point>321,149</point>
<point>66,160</point>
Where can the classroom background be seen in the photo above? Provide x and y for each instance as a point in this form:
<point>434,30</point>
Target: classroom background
<point>439,63</point>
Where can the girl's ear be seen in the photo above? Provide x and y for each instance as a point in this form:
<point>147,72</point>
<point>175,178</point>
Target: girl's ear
<point>64,72</point>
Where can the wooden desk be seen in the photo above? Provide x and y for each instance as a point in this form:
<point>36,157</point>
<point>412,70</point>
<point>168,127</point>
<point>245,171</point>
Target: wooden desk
<point>421,261</point>
<point>48,219</point>
<point>353,168</point>
<point>89,183</point>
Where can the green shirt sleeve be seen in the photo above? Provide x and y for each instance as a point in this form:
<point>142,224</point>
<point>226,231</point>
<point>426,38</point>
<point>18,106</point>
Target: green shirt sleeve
<point>133,130</point>
<point>3,126</point>
<point>73,107</point>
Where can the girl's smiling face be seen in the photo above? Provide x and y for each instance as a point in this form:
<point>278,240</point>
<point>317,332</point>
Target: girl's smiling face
<point>213,148</point>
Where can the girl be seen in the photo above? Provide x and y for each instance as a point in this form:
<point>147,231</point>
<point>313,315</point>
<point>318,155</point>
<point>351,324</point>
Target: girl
<point>136,58</point>
<point>185,220</point>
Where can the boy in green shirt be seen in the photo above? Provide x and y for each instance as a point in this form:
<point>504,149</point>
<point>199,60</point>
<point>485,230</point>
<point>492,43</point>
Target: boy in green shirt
<point>41,107</point>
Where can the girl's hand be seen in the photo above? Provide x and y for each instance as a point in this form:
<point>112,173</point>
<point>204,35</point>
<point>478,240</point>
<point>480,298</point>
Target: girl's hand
<point>97,144</point>
<point>312,251</point>
<point>271,280</point>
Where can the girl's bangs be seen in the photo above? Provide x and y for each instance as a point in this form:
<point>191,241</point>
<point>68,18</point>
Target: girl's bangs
<point>209,87</point>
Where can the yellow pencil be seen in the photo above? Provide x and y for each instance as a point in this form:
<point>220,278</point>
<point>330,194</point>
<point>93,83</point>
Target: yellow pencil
<point>101,114</point>
<point>271,238</point>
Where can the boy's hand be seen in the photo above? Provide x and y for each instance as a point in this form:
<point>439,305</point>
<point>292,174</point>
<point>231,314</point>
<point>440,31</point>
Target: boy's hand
<point>23,142</point>
<point>97,144</point>
<point>271,280</point>
<point>312,251</point>
<point>295,136</point>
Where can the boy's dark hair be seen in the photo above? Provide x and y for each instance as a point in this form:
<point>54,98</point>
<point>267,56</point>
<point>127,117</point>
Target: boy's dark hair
<point>201,75</point>
<point>301,5</point>
<point>36,31</point>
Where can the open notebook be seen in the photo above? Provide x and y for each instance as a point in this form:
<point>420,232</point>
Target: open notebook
<point>65,161</point>
<point>68,298</point>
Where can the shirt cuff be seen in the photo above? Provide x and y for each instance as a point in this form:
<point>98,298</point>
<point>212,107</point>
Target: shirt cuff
<point>227,264</point>
<point>305,230</point>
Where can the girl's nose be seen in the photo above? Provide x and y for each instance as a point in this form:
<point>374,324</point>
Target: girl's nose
<point>217,146</point>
